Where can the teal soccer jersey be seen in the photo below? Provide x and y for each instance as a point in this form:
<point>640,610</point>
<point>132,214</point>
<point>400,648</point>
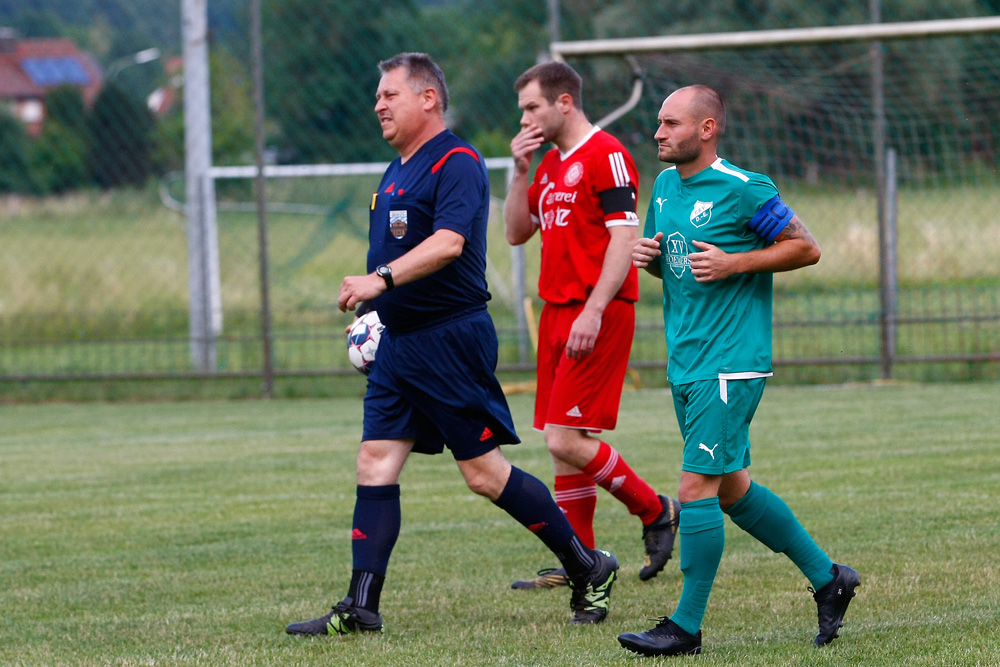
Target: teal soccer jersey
<point>718,329</point>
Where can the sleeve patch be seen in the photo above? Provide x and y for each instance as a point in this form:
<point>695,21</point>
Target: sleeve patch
<point>771,219</point>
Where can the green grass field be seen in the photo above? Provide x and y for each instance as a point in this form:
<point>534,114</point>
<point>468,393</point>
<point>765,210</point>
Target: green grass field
<point>191,533</point>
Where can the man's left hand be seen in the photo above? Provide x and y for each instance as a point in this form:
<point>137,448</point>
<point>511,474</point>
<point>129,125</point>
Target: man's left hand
<point>711,263</point>
<point>583,334</point>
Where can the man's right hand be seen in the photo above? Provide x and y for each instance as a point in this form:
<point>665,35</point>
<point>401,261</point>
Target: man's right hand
<point>645,251</point>
<point>356,289</point>
<point>523,145</point>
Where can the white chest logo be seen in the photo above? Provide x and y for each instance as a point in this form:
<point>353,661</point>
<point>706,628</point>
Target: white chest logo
<point>701,213</point>
<point>661,202</point>
<point>675,249</point>
<point>573,174</point>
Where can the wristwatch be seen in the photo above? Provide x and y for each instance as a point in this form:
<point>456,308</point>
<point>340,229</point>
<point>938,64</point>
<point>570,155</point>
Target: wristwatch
<point>386,273</point>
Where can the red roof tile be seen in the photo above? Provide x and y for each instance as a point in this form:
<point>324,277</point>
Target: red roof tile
<point>15,84</point>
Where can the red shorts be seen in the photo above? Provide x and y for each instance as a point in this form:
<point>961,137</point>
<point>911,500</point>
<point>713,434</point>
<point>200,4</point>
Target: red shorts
<point>582,393</point>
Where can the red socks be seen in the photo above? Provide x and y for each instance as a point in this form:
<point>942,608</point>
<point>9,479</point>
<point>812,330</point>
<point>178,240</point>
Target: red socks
<point>612,473</point>
<point>576,496</point>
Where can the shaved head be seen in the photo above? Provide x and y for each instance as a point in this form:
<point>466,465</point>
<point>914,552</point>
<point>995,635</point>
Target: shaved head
<point>690,123</point>
<point>705,102</point>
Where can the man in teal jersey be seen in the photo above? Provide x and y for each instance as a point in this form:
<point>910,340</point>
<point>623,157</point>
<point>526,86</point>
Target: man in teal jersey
<point>715,234</point>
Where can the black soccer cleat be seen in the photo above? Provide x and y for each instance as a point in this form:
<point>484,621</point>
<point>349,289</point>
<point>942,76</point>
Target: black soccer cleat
<point>592,592</point>
<point>667,638</point>
<point>344,619</point>
<point>547,578</point>
<point>832,601</point>
<point>659,537</point>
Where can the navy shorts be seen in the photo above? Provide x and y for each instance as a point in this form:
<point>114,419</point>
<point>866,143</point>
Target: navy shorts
<point>438,386</point>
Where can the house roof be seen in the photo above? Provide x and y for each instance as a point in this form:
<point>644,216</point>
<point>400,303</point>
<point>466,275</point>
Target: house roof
<point>33,66</point>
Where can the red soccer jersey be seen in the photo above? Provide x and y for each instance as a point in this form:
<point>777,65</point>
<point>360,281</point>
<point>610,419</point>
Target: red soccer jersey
<point>565,199</point>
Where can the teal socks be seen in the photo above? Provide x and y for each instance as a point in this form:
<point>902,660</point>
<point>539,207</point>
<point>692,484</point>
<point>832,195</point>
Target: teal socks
<point>765,517</point>
<point>703,536</point>
<point>769,520</point>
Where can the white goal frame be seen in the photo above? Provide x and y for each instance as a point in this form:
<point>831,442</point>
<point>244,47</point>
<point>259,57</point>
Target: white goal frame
<point>873,33</point>
<point>755,38</point>
<point>513,296</point>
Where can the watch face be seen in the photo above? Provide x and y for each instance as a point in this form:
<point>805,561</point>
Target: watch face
<point>386,274</point>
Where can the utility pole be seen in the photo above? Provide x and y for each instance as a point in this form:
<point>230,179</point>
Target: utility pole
<point>204,286</point>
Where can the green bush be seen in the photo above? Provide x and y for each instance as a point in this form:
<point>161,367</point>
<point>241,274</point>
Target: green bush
<point>59,159</point>
<point>120,127</point>
<point>15,168</point>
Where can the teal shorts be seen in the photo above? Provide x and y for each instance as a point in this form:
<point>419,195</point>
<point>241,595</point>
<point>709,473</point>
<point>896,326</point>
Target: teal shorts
<point>714,417</point>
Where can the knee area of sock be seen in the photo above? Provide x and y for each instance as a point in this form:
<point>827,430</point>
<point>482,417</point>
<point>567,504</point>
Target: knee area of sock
<point>700,515</point>
<point>749,509</point>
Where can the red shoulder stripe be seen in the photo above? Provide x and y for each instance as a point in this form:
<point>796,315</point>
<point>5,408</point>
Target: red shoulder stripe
<point>460,149</point>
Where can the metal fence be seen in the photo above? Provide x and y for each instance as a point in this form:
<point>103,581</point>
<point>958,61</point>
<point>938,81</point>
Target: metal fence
<point>158,272</point>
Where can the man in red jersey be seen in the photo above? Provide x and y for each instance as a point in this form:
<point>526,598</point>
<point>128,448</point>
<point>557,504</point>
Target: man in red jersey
<point>583,200</point>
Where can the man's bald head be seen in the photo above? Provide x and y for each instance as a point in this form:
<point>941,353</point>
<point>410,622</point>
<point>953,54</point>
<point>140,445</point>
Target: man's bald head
<point>704,102</point>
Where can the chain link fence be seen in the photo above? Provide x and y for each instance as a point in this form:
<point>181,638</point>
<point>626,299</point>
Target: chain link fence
<point>99,261</point>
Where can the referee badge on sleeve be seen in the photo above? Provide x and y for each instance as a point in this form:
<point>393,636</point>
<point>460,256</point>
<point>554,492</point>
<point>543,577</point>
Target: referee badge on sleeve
<point>397,223</point>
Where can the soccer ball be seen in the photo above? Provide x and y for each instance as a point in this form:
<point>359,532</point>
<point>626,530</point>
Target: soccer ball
<point>362,341</point>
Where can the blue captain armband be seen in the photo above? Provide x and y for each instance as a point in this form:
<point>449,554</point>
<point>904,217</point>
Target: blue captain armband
<point>771,219</point>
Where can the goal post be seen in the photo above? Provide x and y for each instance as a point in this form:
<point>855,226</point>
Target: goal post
<point>336,196</point>
<point>866,32</point>
<point>857,124</point>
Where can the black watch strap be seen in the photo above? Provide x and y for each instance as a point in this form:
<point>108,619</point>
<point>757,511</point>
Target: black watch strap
<point>386,273</point>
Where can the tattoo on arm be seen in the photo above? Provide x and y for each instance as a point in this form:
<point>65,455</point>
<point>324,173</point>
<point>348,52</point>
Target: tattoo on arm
<point>795,230</point>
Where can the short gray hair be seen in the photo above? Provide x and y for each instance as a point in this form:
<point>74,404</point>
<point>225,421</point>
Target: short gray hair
<point>421,73</point>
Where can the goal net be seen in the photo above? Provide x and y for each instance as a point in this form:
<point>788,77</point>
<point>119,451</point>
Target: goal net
<point>817,110</point>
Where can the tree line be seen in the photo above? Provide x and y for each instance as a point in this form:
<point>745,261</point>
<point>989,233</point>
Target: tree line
<point>320,72</point>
